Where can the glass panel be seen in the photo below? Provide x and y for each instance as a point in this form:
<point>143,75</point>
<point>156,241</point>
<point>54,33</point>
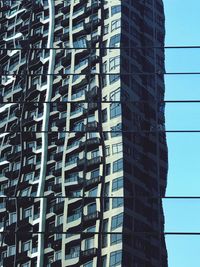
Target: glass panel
<point>182,60</point>
<point>183,250</point>
<point>181,31</point>
<point>182,87</point>
<point>181,215</point>
<point>182,116</point>
<point>184,168</point>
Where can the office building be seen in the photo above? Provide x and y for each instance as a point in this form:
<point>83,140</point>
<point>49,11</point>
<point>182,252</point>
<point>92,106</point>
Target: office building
<point>83,148</point>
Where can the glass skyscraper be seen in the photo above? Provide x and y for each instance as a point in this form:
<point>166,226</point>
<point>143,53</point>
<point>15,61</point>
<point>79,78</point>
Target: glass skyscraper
<point>83,160</point>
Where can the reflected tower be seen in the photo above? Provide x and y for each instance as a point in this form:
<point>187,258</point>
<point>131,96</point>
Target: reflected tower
<point>83,148</point>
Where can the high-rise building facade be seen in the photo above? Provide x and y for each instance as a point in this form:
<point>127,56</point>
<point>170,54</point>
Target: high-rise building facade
<point>83,160</point>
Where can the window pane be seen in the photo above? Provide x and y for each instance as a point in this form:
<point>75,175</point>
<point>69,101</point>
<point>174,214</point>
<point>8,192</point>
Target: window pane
<point>184,167</point>
<point>181,215</point>
<point>182,116</point>
<point>183,250</point>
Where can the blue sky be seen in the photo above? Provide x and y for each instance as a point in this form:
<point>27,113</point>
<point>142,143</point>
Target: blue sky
<point>183,215</point>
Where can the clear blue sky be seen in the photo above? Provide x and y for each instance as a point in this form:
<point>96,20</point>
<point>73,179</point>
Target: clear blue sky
<point>182,28</point>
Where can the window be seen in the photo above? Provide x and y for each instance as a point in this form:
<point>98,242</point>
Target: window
<point>104,115</point>
<point>108,169</point>
<point>88,264</point>
<point>94,153</point>
<point>104,80</point>
<point>113,78</point>
<point>117,148</point>
<point>13,182</point>
<point>105,135</point>
<point>26,246</point>
<point>27,213</point>
<point>115,9</point>
<point>91,208</point>
<point>91,118</point>
<point>106,190</point>
<point>28,176</point>
<point>76,193</point>
<point>79,65</point>
<point>117,221</point>
<point>35,80</point>
<point>58,255</point>
<point>115,238</point>
<point>106,203</point>
<point>50,260</point>
<point>114,62</point>
<point>78,126</point>
<point>95,174</point>
<point>105,30</point>
<point>59,219</point>
<point>115,95</point>
<point>58,236</point>
<point>76,214</point>
<point>16,166</point>
<point>107,150</point>
<point>106,199</point>
<point>30,160</point>
<point>116,130</point>
<point>26,264</point>
<point>115,258</point>
<point>58,180</point>
<point>93,192</point>
<point>11,250</point>
<point>31,144</point>
<point>117,202</point>
<point>37,31</point>
<point>91,229</point>
<point>81,43</point>
<point>17,148</point>
<point>115,41</point>
<point>118,165</point>
<point>72,177</point>
<point>117,184</point>
<point>72,159</point>
<point>105,236</point>
<point>74,252</point>
<point>115,24</point>
<point>104,261</point>
<point>25,192</point>
<point>89,243</point>
<point>115,110</point>
<point>92,135</point>
<point>104,67</point>
<point>13,217</point>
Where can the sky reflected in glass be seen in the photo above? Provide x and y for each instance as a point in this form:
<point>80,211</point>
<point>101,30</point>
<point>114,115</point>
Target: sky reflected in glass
<point>182,23</point>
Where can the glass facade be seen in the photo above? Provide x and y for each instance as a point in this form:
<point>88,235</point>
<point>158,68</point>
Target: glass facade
<point>83,148</point>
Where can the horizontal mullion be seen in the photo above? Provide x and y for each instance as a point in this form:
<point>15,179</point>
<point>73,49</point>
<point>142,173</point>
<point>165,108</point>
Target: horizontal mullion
<point>101,73</point>
<point>88,233</point>
<point>95,131</point>
<point>110,101</point>
<point>92,48</point>
<point>81,197</point>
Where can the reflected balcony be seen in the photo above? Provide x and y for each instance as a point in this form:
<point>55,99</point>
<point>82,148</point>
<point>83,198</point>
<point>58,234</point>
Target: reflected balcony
<point>58,207</point>
<point>91,143</point>
<point>91,126</point>
<point>73,255</point>
<point>92,252</point>
<point>91,217</point>
<point>92,182</point>
<point>74,217</point>
<point>73,181</point>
